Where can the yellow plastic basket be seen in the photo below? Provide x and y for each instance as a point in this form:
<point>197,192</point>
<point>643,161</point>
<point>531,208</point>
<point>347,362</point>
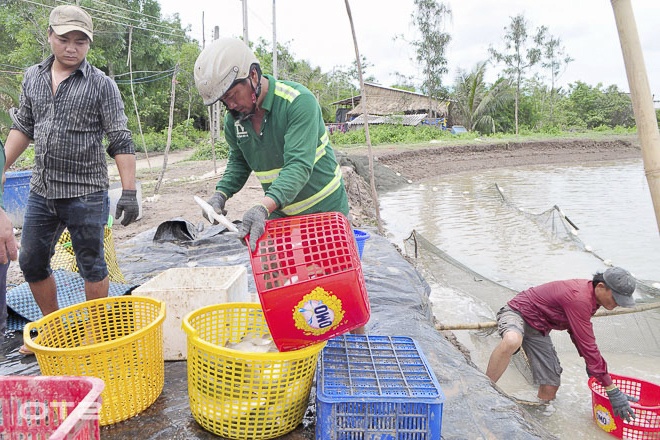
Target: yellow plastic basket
<point>243,395</point>
<point>118,339</point>
<point>65,258</point>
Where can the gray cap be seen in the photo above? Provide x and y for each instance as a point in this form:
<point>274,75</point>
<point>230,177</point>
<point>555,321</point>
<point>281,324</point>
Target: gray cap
<point>622,285</point>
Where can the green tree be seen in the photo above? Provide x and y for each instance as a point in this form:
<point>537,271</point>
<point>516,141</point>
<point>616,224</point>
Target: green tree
<point>475,104</point>
<point>593,107</point>
<point>554,60</point>
<point>430,17</point>
<point>520,54</point>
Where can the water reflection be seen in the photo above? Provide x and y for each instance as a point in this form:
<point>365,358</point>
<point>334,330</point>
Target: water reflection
<point>463,215</point>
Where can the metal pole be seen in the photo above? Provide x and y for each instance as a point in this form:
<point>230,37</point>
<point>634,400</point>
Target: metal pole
<point>274,42</point>
<point>245,22</point>
<point>640,93</point>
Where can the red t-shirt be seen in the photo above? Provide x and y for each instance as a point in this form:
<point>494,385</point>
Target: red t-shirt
<point>565,305</point>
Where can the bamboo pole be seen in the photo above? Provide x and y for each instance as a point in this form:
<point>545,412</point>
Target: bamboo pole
<point>169,130</point>
<point>640,93</point>
<point>129,61</point>
<point>363,100</point>
<point>602,313</point>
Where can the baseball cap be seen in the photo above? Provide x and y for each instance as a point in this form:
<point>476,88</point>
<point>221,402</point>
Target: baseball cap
<point>67,18</point>
<point>622,285</point>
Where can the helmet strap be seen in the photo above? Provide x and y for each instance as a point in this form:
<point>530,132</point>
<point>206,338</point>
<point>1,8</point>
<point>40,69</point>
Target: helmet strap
<point>256,91</point>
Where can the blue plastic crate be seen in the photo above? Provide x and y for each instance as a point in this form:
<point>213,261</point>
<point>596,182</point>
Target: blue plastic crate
<point>376,387</point>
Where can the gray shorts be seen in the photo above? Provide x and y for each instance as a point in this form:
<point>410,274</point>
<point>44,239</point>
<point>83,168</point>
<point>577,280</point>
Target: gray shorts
<point>539,349</point>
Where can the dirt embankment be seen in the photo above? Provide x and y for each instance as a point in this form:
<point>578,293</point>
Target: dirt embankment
<point>393,166</point>
<point>420,163</point>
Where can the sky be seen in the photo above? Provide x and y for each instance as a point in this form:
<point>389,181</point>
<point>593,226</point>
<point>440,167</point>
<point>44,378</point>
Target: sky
<point>319,31</point>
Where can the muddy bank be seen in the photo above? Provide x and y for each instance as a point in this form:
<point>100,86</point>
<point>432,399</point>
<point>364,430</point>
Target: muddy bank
<point>396,167</point>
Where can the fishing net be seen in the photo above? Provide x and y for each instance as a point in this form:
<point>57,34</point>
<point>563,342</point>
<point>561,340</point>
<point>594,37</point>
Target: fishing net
<point>559,227</point>
<point>624,331</point>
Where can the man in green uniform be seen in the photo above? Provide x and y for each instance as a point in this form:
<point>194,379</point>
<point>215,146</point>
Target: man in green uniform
<point>274,128</point>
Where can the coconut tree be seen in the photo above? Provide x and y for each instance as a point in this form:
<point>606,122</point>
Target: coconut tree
<point>475,103</point>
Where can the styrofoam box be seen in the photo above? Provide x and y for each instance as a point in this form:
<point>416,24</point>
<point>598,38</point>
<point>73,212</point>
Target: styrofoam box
<point>186,289</point>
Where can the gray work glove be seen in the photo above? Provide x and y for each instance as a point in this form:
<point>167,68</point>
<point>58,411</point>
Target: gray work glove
<point>128,205</point>
<point>254,225</point>
<point>620,405</point>
<point>217,201</point>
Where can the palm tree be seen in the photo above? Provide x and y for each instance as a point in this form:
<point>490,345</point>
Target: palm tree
<point>475,104</point>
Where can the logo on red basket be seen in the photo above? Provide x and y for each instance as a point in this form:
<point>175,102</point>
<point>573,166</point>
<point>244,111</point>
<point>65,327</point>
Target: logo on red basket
<point>318,312</point>
<point>604,418</point>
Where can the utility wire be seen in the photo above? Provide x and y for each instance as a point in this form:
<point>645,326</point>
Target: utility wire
<point>145,80</point>
<point>144,71</point>
<point>118,15</point>
<point>169,34</point>
<point>122,17</point>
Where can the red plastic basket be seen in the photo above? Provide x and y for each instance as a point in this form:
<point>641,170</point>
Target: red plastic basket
<point>309,279</point>
<point>50,407</point>
<point>645,425</point>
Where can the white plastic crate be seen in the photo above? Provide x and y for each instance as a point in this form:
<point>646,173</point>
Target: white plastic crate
<point>186,289</point>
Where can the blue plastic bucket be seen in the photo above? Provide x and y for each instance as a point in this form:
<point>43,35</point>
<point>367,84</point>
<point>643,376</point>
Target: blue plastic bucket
<point>17,190</point>
<point>360,238</point>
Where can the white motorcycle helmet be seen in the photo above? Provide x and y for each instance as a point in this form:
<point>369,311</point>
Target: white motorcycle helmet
<point>221,64</point>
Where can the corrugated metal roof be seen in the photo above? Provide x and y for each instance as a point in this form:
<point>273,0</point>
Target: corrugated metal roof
<point>390,119</point>
<point>387,100</point>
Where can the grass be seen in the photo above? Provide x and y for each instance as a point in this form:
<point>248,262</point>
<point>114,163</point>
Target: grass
<point>382,137</point>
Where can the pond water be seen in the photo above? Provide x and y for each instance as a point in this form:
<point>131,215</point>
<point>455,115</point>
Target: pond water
<point>464,216</point>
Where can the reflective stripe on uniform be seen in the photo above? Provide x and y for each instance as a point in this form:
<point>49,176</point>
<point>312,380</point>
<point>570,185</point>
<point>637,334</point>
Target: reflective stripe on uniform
<point>320,150</point>
<point>298,207</point>
<point>286,92</point>
<point>269,176</point>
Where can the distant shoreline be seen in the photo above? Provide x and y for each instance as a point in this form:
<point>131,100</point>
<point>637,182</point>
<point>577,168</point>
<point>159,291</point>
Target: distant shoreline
<point>422,163</point>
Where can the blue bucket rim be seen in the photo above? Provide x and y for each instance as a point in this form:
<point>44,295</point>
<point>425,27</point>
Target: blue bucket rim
<point>18,173</point>
<point>361,235</point>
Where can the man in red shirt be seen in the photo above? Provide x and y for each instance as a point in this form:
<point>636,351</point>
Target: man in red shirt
<point>529,317</point>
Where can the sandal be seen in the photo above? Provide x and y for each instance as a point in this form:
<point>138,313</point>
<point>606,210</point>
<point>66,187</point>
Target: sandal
<point>25,351</point>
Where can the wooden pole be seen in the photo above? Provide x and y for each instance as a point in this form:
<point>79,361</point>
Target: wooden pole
<point>640,93</point>
<point>129,61</point>
<point>169,130</point>
<point>600,314</point>
<point>363,100</point>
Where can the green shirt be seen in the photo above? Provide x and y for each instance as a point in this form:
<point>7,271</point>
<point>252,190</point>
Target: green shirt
<point>291,156</point>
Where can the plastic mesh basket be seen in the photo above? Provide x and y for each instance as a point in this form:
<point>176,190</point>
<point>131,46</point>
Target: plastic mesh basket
<point>308,274</point>
<point>54,408</point>
<point>118,339</point>
<point>243,395</point>
<point>65,258</point>
<point>645,425</point>
<point>376,387</point>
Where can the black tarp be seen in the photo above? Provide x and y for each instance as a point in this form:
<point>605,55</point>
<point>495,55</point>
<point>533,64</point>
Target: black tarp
<point>398,295</point>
